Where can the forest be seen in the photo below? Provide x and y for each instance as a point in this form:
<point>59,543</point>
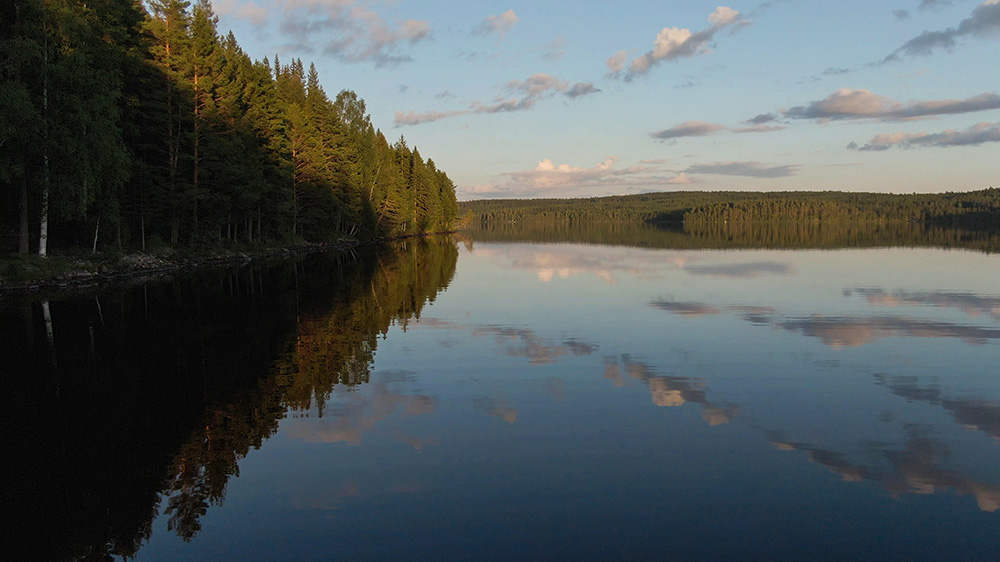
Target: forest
<point>129,125</point>
<point>969,209</point>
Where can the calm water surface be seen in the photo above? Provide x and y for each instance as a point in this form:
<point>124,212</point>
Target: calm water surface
<point>525,401</point>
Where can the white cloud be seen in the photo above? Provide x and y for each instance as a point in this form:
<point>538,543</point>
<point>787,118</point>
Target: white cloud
<point>519,95</point>
<point>548,177</point>
<point>863,104</point>
<point>581,89</point>
<point>412,118</point>
<point>973,136</point>
<point>747,169</point>
<point>983,23</point>
<point>688,129</point>
<point>616,64</point>
<point>249,11</point>
<point>673,43</point>
<point>499,24</point>
<point>344,29</point>
<point>701,128</point>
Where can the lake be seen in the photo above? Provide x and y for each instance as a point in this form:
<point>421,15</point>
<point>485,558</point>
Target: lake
<point>553,396</point>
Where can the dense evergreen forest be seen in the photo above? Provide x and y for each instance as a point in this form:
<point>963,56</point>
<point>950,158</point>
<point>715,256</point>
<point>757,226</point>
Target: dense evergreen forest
<point>974,209</point>
<point>96,452</point>
<point>128,125</point>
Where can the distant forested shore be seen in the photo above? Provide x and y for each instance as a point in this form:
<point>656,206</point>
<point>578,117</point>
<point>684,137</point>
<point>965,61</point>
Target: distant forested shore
<point>830,235</point>
<point>130,125</point>
<point>974,209</point>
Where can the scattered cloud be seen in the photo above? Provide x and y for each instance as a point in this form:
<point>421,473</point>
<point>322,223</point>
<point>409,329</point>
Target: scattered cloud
<point>344,29</point>
<point>249,11</point>
<point>547,177</point>
<point>412,118</point>
<point>748,169</point>
<point>983,23</point>
<point>758,129</point>
<point>498,25</point>
<point>443,95</point>
<point>519,95</point>
<point>674,43</point>
<point>554,50</point>
<point>846,104</point>
<point>688,129</point>
<point>762,118</point>
<point>536,87</point>
<point>701,129</point>
<point>973,136</point>
<point>934,4</point>
<point>616,64</point>
<point>581,89</point>
<point>901,14</point>
<point>680,179</point>
<point>836,71</point>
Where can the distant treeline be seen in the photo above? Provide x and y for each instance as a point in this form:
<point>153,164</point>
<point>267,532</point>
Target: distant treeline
<point>126,124</point>
<point>976,208</point>
<point>738,234</point>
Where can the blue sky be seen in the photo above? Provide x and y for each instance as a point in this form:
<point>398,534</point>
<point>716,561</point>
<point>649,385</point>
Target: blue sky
<point>566,99</point>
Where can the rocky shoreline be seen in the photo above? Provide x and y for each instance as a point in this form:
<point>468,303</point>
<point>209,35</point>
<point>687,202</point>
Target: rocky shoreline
<point>140,267</point>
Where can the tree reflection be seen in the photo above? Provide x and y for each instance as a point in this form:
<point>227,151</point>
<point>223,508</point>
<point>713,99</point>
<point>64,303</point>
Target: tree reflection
<point>153,399</point>
<point>736,234</point>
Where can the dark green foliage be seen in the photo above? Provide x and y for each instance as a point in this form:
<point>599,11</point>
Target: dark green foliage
<point>971,209</point>
<point>121,128</point>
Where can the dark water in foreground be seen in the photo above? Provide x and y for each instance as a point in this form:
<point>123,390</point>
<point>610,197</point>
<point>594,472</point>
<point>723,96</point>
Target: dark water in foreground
<point>474,400</point>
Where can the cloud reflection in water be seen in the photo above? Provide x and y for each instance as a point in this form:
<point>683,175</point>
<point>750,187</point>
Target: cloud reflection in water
<point>916,469</point>
<point>668,391</point>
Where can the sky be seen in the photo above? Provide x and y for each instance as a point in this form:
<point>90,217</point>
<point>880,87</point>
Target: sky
<point>579,98</point>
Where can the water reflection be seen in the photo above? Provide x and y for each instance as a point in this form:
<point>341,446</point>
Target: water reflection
<point>487,421</point>
<point>971,304</point>
<point>684,308</point>
<point>914,469</point>
<point>355,413</point>
<point>747,270</point>
<point>496,408</point>
<point>974,414</point>
<point>738,234</point>
<point>858,331</point>
<point>840,331</point>
<point>516,342</point>
<point>668,390</point>
<point>225,356</point>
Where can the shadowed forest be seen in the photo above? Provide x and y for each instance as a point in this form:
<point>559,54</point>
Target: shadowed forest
<point>125,128</point>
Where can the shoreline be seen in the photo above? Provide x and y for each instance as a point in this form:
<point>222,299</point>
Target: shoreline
<point>140,266</point>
